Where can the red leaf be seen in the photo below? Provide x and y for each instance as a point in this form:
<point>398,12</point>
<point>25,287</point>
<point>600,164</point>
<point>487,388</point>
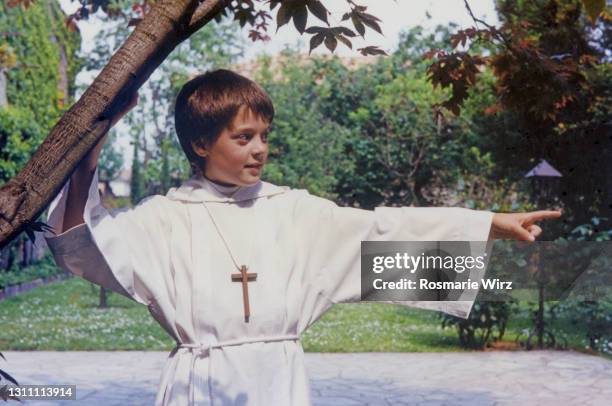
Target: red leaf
<point>315,41</point>
<point>316,30</point>
<point>358,25</point>
<point>372,24</point>
<point>317,9</point>
<point>344,31</point>
<point>283,16</point>
<point>371,50</point>
<point>345,41</point>
<point>493,109</point>
<point>331,42</point>
<point>300,17</point>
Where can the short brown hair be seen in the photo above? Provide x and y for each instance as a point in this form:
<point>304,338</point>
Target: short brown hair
<point>208,103</point>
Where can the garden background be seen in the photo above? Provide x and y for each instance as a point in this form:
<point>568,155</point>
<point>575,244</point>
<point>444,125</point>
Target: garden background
<point>359,130</point>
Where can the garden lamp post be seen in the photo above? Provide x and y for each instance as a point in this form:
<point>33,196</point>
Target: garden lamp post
<point>544,180</point>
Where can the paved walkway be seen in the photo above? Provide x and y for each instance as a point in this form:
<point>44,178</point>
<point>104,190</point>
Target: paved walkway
<point>543,378</point>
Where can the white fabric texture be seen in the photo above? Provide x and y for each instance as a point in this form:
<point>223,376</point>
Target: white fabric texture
<point>166,254</point>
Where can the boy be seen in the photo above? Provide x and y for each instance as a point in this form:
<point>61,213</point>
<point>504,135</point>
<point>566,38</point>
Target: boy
<point>233,268</point>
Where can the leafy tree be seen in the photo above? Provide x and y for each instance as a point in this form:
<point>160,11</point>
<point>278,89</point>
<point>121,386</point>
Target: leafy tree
<point>163,26</point>
<point>158,161</point>
<point>306,147</point>
<point>166,24</point>
<point>19,134</point>
<point>37,66</point>
<point>402,154</point>
<point>557,108</point>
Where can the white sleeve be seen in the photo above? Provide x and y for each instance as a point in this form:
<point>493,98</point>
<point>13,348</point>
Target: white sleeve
<point>124,250</point>
<point>333,237</point>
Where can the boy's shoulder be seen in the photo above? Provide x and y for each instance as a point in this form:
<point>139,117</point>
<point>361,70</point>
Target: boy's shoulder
<point>302,198</point>
<point>197,191</point>
<point>178,199</point>
<point>155,205</point>
<point>153,201</point>
<point>287,192</point>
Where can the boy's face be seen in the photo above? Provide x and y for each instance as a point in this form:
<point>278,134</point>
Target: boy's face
<point>240,152</point>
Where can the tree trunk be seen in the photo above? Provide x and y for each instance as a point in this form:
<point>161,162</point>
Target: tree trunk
<point>3,99</point>
<point>103,304</point>
<point>25,196</point>
<point>136,183</point>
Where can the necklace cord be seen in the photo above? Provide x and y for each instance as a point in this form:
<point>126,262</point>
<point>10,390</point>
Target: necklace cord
<point>222,237</point>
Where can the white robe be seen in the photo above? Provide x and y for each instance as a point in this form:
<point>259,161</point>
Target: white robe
<point>167,254</point>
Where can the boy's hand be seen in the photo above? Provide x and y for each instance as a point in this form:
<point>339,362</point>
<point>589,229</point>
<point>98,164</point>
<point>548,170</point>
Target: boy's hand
<point>520,226</point>
<point>83,173</point>
<point>89,163</point>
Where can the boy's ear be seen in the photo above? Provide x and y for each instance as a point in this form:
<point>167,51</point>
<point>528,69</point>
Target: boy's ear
<point>199,148</point>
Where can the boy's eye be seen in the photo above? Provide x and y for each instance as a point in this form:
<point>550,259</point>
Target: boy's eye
<point>245,137</point>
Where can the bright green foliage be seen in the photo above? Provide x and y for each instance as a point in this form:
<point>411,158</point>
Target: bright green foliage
<point>386,146</point>
<point>42,269</point>
<point>36,38</point>
<point>39,37</point>
<point>7,57</point>
<point>38,59</point>
<point>19,135</point>
<point>306,147</point>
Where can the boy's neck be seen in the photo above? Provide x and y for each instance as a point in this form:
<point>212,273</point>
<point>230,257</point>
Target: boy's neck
<point>219,183</point>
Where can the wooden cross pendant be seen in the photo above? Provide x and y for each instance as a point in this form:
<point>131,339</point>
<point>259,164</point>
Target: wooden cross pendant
<point>245,278</point>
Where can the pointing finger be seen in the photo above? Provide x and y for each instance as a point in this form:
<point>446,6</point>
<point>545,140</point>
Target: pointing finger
<point>541,215</point>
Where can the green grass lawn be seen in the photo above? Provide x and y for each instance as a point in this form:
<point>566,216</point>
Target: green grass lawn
<point>65,316</point>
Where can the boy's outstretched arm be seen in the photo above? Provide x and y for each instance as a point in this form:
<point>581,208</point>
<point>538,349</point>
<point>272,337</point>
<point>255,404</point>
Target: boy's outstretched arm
<point>83,174</point>
<point>520,226</point>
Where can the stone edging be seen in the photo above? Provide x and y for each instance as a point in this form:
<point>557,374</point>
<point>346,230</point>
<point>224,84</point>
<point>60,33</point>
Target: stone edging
<point>15,290</point>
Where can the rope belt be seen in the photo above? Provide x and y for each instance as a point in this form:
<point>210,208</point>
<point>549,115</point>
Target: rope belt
<point>202,349</point>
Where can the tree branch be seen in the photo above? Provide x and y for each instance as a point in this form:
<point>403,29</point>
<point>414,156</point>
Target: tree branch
<point>25,196</point>
<point>491,28</point>
<point>476,20</point>
<point>206,11</point>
